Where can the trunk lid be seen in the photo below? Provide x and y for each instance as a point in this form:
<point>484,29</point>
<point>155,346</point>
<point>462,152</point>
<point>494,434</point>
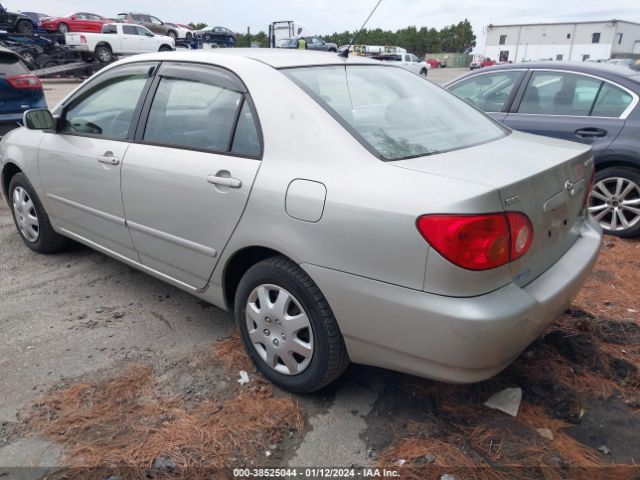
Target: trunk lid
<point>544,178</point>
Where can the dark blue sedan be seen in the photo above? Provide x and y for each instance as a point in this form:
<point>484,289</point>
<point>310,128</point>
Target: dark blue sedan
<point>589,103</point>
<point>19,90</point>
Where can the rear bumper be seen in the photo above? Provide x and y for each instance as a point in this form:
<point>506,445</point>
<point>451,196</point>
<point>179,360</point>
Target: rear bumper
<point>458,340</point>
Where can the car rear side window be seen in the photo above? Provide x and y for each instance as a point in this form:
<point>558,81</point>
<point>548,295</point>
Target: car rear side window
<point>107,109</point>
<point>487,91</point>
<point>193,114</point>
<point>11,65</point>
<point>395,113</point>
<point>611,102</point>
<point>559,93</point>
<point>111,29</point>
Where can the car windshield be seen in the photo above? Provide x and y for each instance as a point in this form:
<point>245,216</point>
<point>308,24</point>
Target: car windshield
<point>396,114</point>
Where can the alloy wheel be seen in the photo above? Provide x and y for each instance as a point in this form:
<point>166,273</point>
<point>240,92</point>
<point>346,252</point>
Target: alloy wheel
<point>26,215</point>
<point>614,203</point>
<point>279,329</point>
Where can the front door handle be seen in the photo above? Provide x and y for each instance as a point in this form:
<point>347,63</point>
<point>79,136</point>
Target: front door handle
<point>225,181</point>
<point>590,132</point>
<point>108,159</point>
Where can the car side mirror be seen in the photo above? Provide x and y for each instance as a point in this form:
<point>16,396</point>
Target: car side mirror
<point>39,119</point>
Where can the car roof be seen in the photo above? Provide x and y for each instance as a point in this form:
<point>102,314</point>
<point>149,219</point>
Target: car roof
<point>600,69</point>
<point>274,57</point>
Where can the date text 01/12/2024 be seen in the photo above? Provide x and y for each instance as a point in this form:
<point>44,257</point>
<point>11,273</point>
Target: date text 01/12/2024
<point>312,473</point>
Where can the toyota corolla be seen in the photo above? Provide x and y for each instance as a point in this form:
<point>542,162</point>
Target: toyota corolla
<point>342,209</point>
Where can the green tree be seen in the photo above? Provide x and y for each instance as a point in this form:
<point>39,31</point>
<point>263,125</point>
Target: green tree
<point>198,26</point>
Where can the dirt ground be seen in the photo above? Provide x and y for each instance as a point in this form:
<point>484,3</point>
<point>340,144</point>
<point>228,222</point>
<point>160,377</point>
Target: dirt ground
<point>106,369</point>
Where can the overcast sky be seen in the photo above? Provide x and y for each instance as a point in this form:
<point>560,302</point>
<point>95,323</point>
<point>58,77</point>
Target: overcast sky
<point>328,16</point>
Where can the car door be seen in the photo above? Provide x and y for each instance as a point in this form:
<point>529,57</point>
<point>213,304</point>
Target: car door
<point>131,40</point>
<point>491,92</point>
<point>146,40</point>
<point>570,106</point>
<point>187,178</point>
<point>80,164</point>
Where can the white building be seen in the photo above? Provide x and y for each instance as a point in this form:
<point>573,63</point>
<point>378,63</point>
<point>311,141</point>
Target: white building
<point>563,41</point>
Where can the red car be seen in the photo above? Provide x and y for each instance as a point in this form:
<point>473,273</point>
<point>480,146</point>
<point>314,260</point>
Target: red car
<point>435,63</point>
<point>75,22</point>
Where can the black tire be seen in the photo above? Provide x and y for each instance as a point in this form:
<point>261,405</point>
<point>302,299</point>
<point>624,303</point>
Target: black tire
<point>206,37</point>
<point>609,176</point>
<point>48,240</point>
<point>25,27</point>
<point>103,54</point>
<point>333,50</point>
<point>424,72</point>
<point>28,57</point>
<point>329,358</point>
<point>62,27</point>
<point>165,48</point>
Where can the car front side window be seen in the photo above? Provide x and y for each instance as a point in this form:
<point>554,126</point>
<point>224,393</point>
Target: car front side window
<point>107,109</point>
<point>488,91</point>
<point>559,93</point>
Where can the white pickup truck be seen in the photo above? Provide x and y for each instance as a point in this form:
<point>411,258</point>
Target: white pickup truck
<point>407,61</point>
<point>118,39</point>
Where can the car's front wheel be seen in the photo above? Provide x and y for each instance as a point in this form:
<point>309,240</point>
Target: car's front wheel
<point>424,72</point>
<point>30,217</point>
<point>614,201</point>
<point>288,327</point>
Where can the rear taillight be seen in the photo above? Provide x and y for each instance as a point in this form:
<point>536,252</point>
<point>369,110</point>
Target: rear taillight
<point>25,82</point>
<point>478,242</point>
<point>83,39</point>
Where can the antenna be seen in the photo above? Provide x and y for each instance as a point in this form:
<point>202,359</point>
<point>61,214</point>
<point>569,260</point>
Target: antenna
<point>345,53</point>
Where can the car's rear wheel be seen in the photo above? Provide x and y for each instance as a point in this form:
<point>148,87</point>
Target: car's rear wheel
<point>63,27</point>
<point>614,201</point>
<point>25,27</point>
<point>28,56</point>
<point>103,54</point>
<point>424,72</point>
<point>165,48</point>
<point>30,217</point>
<point>172,34</point>
<point>288,327</point>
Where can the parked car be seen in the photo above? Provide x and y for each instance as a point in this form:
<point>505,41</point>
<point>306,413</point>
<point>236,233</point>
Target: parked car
<point>182,32</point>
<point>154,24</point>
<point>15,22</point>
<point>118,39</point>
<point>313,43</point>
<point>435,63</point>
<point>36,18</point>
<point>621,61</point>
<point>462,260</point>
<point>481,62</point>
<point>75,22</point>
<point>19,90</point>
<point>589,103</point>
<point>219,35</point>
<point>408,61</point>
<point>37,51</point>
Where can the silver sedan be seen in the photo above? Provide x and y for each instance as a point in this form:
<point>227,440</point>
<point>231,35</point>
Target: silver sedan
<point>344,210</point>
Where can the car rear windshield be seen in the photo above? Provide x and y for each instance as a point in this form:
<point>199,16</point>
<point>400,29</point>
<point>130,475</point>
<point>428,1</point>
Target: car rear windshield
<point>396,114</point>
<point>11,65</point>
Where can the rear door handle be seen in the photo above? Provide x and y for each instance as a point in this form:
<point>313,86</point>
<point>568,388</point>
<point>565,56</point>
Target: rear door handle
<point>225,181</point>
<point>109,159</point>
<point>590,132</point>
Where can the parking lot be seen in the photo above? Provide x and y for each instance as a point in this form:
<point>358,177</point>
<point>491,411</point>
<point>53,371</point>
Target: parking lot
<point>163,368</point>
